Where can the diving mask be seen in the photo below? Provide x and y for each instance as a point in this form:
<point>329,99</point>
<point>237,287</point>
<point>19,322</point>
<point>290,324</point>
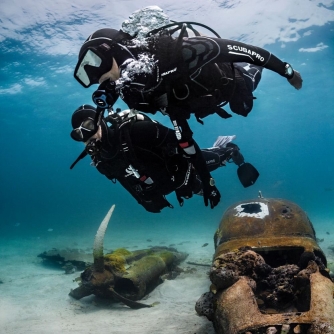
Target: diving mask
<point>86,130</point>
<point>92,64</point>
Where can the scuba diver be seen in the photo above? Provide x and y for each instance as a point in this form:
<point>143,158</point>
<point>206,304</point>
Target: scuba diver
<point>176,76</point>
<point>144,157</point>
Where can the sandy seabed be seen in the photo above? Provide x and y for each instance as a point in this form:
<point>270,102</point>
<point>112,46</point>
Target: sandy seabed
<point>34,298</point>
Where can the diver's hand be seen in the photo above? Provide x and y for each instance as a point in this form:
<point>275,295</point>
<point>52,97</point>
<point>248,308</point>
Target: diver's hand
<point>296,81</point>
<point>211,194</point>
<point>150,207</point>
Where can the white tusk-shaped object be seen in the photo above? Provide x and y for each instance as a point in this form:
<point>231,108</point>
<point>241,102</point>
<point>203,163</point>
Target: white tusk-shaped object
<point>98,242</point>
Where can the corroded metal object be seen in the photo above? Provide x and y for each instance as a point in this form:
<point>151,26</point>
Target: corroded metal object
<point>266,224</point>
<point>269,274</point>
<point>123,275</point>
<point>128,276</point>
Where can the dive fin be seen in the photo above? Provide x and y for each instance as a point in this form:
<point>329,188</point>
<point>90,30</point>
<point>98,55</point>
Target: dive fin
<point>247,174</point>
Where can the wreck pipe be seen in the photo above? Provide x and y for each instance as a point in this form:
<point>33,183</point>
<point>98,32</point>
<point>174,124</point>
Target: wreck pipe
<point>145,274</point>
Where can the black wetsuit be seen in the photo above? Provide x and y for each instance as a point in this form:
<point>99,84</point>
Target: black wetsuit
<point>144,157</point>
<point>196,75</point>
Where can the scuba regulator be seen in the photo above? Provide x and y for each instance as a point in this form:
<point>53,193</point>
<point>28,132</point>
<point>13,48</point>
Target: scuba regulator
<point>105,96</point>
<point>93,147</point>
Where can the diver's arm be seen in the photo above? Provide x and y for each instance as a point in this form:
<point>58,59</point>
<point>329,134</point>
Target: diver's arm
<point>258,56</point>
<point>198,51</point>
<point>152,202</point>
<point>216,157</point>
<point>104,168</point>
<point>210,192</point>
<point>150,135</point>
<point>193,153</point>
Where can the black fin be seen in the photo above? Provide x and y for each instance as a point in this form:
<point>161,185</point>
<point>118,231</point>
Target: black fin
<point>247,174</point>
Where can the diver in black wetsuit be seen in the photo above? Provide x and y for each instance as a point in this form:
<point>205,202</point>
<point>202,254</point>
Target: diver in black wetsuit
<point>143,156</point>
<point>178,77</point>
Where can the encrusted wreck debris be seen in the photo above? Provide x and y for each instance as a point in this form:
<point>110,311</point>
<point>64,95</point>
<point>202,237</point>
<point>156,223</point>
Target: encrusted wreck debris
<point>124,275</point>
<point>268,274</point>
<point>71,260</point>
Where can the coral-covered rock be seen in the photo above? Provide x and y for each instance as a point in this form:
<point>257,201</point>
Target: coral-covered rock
<point>228,267</point>
<point>205,304</point>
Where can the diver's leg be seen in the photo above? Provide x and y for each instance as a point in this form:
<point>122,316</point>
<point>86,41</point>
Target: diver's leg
<point>192,151</point>
<point>216,157</point>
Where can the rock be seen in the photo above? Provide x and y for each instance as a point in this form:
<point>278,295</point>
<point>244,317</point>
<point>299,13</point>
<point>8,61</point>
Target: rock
<point>204,305</point>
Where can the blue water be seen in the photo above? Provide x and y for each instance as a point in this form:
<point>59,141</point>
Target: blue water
<point>288,136</point>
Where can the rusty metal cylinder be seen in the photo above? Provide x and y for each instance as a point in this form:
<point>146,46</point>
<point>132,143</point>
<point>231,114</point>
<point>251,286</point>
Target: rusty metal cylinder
<point>265,224</point>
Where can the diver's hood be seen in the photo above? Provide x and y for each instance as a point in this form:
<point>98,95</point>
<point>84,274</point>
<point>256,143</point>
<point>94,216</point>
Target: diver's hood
<point>109,146</point>
<point>116,39</point>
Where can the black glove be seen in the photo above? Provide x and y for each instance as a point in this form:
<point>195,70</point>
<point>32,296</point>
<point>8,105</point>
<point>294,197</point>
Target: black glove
<point>296,81</point>
<point>211,193</point>
<point>150,206</point>
<point>153,202</point>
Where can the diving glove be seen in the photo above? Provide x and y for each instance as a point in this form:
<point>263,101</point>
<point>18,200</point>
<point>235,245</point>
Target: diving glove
<point>211,194</point>
<point>296,81</point>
